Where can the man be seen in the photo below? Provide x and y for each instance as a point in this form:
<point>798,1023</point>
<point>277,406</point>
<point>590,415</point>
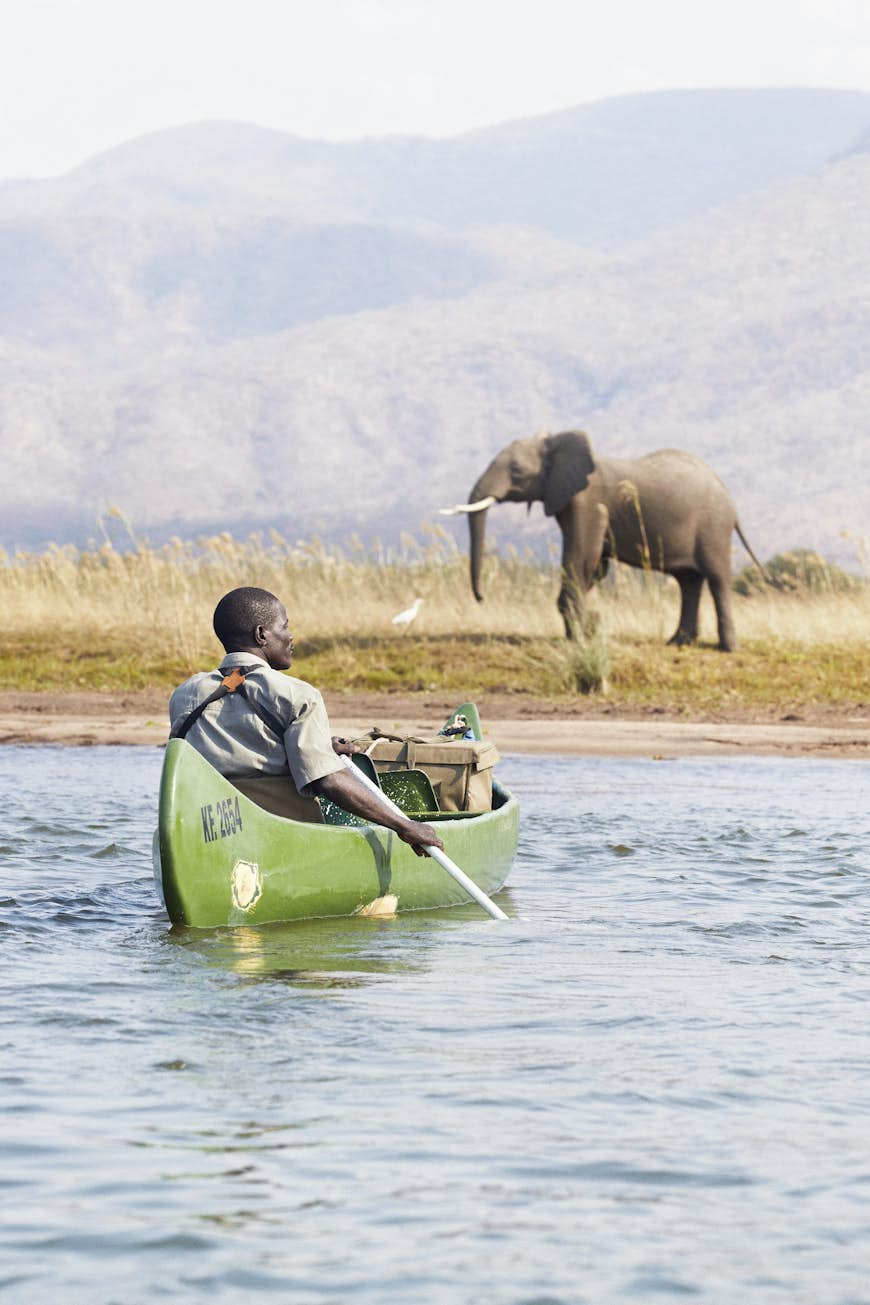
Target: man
<point>269,732</point>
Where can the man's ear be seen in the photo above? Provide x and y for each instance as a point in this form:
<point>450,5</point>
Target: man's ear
<point>259,635</point>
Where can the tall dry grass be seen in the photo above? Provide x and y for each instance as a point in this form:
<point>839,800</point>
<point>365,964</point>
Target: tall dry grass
<point>167,593</point>
<point>152,605</point>
<point>641,606</point>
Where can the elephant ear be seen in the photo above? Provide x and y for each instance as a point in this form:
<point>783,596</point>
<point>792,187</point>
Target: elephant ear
<point>569,462</point>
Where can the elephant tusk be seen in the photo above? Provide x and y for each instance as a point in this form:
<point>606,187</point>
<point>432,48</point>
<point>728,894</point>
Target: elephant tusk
<point>480,506</point>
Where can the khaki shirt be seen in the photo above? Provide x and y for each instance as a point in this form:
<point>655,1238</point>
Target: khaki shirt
<point>231,736</point>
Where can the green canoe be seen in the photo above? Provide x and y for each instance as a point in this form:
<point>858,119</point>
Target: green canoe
<point>219,859</point>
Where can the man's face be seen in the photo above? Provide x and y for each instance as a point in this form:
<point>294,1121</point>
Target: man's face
<point>277,641</point>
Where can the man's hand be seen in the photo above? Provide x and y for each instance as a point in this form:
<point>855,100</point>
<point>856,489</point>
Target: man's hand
<point>420,837</point>
<point>344,747</point>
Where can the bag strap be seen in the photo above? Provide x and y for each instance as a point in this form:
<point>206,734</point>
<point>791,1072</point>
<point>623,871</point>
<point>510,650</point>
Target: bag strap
<point>232,682</point>
<point>374,734</point>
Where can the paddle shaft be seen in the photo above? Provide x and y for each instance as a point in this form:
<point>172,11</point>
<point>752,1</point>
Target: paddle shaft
<point>435,852</point>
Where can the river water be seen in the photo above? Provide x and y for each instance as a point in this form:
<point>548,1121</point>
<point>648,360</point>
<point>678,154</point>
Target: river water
<point>653,1083</point>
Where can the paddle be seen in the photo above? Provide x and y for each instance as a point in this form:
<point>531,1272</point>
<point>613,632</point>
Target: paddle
<point>435,852</point>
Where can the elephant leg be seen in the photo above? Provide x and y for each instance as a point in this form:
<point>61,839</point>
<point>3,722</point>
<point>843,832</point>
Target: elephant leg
<point>690,583</point>
<point>570,605</point>
<point>720,588</point>
<point>582,546</point>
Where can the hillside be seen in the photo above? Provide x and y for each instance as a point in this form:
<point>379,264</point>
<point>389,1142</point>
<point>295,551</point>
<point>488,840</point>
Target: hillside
<point>225,327</point>
<point>601,175</point>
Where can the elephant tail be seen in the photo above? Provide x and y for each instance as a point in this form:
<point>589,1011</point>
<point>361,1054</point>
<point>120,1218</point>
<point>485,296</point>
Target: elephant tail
<point>762,568</point>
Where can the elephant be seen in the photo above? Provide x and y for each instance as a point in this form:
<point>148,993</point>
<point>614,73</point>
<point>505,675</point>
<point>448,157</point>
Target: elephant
<point>667,511</point>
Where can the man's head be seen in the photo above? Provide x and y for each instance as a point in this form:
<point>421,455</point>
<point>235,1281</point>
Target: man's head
<point>254,621</point>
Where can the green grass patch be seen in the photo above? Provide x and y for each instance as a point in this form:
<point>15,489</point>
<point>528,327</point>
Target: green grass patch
<point>643,673</point>
<point>107,667</point>
<point>762,674</point>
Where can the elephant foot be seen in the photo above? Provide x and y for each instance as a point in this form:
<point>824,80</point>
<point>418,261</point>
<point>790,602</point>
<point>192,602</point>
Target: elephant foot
<point>682,638</point>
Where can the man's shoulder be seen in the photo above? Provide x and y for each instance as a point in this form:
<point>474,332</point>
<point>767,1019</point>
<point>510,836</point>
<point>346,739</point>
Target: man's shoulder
<point>288,687</point>
<point>197,678</point>
<point>191,684</point>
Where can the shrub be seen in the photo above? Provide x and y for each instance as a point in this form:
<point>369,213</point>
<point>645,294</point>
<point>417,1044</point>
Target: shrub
<point>587,665</point>
<point>798,569</point>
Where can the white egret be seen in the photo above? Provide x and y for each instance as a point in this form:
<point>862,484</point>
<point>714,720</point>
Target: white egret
<point>403,619</point>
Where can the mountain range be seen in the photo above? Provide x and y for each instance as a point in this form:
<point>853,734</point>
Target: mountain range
<point>225,327</point>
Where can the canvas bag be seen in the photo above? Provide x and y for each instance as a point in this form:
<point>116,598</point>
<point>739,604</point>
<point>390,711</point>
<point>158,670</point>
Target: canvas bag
<point>460,769</point>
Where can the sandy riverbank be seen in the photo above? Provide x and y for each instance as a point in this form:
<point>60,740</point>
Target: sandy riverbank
<point>515,723</point>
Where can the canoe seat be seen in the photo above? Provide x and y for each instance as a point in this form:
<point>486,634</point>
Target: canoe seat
<point>280,796</point>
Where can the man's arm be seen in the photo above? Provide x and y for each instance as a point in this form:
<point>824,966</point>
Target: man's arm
<point>348,792</point>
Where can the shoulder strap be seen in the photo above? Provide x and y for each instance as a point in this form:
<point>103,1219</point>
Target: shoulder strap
<point>232,682</point>
<point>269,720</point>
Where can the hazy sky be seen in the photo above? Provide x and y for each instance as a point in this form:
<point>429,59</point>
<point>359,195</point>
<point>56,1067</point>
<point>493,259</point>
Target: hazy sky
<point>77,76</point>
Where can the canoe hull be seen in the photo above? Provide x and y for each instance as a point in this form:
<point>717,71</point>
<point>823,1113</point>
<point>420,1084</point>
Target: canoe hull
<point>222,860</point>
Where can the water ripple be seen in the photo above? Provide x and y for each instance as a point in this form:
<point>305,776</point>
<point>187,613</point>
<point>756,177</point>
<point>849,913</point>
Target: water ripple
<point>651,1083</point>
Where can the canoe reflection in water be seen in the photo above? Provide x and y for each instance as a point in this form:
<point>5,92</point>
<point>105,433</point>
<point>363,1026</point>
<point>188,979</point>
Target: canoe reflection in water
<point>330,953</point>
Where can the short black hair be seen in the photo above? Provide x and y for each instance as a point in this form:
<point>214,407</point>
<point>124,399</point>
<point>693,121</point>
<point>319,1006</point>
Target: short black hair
<point>238,614</point>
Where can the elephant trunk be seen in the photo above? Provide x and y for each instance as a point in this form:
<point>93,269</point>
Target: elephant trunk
<point>477,532</point>
<point>488,490</point>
